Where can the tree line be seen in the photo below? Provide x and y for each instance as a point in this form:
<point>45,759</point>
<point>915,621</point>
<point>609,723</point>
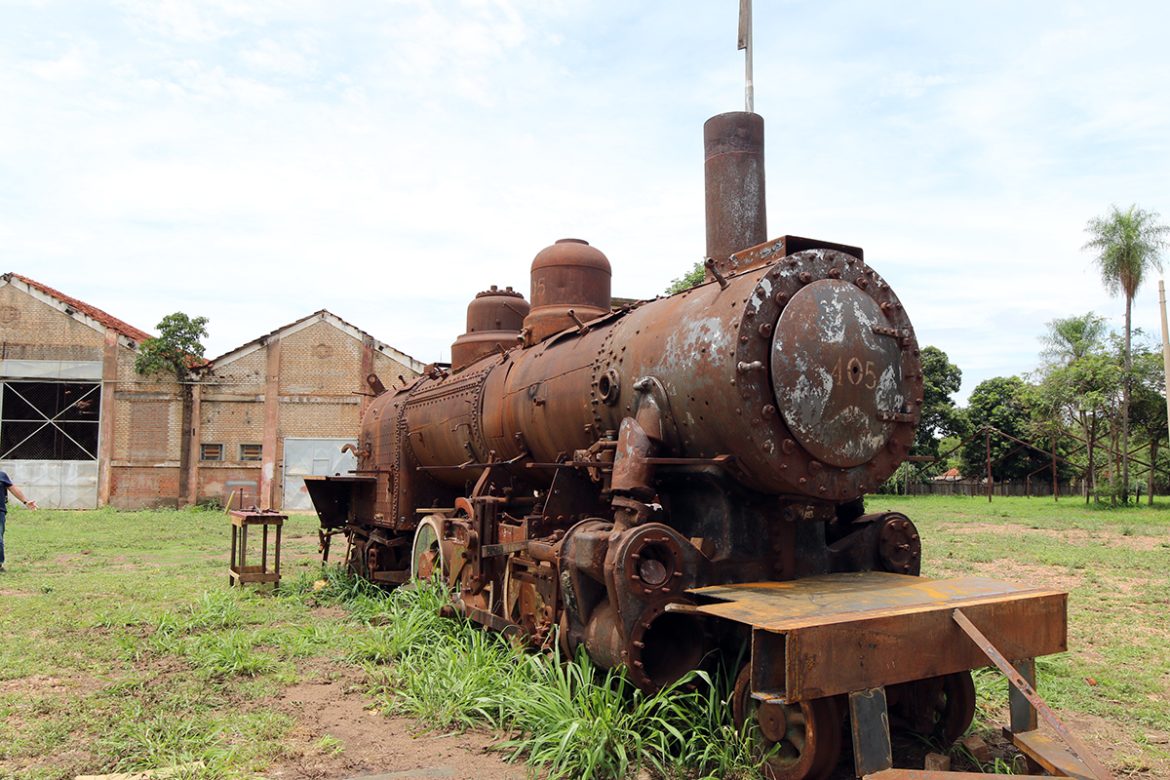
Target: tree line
<point>1095,406</point>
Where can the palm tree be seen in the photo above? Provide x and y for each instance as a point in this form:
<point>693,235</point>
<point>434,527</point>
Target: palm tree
<point>1127,244</point>
<point>1071,338</point>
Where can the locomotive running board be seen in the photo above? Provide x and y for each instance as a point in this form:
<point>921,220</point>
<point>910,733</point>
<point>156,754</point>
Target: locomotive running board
<point>836,633</point>
<point>855,633</point>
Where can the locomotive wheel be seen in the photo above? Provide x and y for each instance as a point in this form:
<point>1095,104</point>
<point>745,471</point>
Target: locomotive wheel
<point>940,708</point>
<point>426,553</point>
<point>800,741</point>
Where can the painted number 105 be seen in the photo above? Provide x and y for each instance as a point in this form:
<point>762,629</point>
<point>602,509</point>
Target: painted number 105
<point>856,372</point>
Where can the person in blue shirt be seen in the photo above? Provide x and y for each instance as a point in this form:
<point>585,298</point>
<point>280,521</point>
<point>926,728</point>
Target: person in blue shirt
<point>7,487</point>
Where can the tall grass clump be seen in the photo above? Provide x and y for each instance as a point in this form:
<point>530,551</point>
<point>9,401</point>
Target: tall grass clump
<point>565,718</point>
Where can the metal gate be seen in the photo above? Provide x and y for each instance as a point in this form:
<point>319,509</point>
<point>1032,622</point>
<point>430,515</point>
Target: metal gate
<point>317,457</point>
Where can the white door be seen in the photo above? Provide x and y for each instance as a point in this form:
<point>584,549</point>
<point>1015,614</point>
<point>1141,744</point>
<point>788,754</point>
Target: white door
<point>316,457</point>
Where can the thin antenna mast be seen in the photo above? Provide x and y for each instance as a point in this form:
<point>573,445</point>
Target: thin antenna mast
<point>745,44</point>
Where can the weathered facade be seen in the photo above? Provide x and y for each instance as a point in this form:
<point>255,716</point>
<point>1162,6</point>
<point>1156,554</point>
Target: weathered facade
<point>283,406</point>
<point>80,428</point>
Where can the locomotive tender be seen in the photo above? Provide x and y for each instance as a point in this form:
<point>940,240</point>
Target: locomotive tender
<point>670,480</point>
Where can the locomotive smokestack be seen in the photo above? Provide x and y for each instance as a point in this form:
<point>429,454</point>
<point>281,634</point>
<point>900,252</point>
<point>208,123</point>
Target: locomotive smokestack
<point>733,146</point>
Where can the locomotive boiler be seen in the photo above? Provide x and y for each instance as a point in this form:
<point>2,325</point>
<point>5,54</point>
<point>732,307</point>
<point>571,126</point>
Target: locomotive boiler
<point>672,481</point>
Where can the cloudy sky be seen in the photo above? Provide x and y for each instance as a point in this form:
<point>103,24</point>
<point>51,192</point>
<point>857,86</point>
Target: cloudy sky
<point>253,162</point>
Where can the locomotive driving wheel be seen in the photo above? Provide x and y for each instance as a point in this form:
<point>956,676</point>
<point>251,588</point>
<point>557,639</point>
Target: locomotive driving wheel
<point>940,708</point>
<point>426,553</point>
<point>799,741</point>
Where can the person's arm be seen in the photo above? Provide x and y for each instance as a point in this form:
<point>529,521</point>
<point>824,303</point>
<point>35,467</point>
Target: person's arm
<point>14,490</point>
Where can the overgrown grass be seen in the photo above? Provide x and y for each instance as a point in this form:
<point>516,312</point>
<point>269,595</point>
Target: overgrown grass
<point>567,718</point>
<point>124,650</point>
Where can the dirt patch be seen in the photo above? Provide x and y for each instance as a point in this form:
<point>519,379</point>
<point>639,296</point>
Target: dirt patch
<point>332,613</point>
<point>1075,536</point>
<point>337,737</point>
<point>1033,575</point>
<point>1117,747</point>
<point>43,685</point>
<point>1113,745</point>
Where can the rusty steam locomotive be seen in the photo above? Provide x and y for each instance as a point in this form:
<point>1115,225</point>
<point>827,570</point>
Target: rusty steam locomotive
<point>661,481</point>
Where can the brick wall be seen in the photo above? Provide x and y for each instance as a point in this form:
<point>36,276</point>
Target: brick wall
<point>319,395</point>
<point>320,389</point>
<point>144,487</point>
<point>33,330</point>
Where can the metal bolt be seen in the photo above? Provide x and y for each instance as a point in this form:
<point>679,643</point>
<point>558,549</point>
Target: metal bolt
<point>862,282</point>
<point>768,410</point>
<point>805,277</point>
<point>834,273</point>
<point>765,329</point>
<point>780,298</point>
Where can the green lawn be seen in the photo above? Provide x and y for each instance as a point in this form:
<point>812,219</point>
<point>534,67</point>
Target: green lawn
<point>124,649</point>
<point>1114,683</point>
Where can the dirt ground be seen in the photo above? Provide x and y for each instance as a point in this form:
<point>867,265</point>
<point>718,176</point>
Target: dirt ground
<point>371,745</point>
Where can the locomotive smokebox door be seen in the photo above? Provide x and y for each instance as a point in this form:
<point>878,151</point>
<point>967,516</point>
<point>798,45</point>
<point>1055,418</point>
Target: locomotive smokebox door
<point>837,374</point>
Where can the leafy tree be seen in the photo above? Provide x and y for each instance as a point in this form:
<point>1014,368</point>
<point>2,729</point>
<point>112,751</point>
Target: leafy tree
<point>1004,403</point>
<point>1147,409</point>
<point>691,278</point>
<point>176,349</point>
<point>1127,244</point>
<point>1084,392</point>
<point>1078,385</point>
<point>941,380</point>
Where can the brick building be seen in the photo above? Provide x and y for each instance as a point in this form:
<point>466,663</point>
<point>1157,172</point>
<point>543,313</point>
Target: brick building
<point>80,428</point>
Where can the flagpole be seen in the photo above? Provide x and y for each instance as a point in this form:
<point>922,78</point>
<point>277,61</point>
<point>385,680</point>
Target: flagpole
<point>1165,345</point>
<point>745,43</point>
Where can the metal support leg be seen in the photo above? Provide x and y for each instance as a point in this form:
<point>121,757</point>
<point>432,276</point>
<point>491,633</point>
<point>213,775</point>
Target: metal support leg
<point>871,731</point>
<point>1023,714</point>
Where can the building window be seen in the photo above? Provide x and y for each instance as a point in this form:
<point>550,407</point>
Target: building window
<point>250,451</point>
<point>49,420</point>
<point>210,452</point>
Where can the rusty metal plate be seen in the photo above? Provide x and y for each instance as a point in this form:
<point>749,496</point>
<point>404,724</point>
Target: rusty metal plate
<point>837,372</point>
<point>1052,755</point>
<point>837,598</point>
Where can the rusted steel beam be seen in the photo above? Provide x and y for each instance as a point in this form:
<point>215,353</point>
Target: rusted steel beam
<point>928,774</point>
<point>1076,747</point>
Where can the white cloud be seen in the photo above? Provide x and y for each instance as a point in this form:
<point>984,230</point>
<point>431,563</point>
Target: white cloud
<point>256,161</point>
